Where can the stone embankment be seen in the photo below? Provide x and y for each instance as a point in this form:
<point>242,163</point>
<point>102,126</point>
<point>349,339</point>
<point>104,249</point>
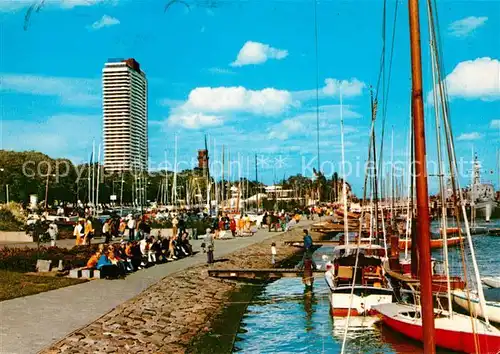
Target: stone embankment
<point>168,315</point>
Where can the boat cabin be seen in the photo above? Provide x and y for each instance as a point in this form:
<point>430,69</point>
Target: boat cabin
<point>369,267</point>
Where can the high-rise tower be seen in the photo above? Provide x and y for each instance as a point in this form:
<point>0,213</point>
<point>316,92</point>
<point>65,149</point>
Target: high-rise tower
<point>125,116</point>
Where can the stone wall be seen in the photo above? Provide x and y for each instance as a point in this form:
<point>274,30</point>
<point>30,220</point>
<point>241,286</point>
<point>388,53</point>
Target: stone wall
<point>14,236</point>
<point>168,315</point>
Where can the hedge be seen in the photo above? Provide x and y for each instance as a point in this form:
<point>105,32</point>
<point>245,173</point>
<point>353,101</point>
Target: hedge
<point>24,259</point>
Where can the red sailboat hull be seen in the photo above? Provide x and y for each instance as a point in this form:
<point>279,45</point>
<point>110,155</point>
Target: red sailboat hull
<point>452,340</point>
<point>452,241</point>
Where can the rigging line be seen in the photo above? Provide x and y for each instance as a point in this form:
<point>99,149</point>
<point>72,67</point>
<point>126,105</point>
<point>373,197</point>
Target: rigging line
<point>393,39</point>
<point>382,54</point>
<point>317,77</point>
<point>386,93</point>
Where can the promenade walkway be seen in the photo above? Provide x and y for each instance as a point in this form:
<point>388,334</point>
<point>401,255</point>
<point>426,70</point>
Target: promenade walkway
<point>32,323</point>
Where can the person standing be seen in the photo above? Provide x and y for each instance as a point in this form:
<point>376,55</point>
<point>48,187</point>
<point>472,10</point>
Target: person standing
<point>122,228</point>
<point>308,250</point>
<point>232,226</point>
<point>131,228</point>
<point>273,253</point>
<point>175,222</point>
<point>210,246</point>
<point>78,232</point>
<point>89,232</point>
<point>106,231</point>
<point>53,233</point>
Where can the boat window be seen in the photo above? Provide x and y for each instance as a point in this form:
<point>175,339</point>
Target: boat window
<point>411,314</point>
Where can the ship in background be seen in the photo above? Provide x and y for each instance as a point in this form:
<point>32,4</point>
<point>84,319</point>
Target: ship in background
<point>481,195</point>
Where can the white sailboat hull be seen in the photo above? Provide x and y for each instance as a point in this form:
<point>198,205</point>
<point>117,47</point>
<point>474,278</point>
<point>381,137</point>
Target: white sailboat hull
<point>492,308</point>
<point>492,282</point>
<point>363,300</point>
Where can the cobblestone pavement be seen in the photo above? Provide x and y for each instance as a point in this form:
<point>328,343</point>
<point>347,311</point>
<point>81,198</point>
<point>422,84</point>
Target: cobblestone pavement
<point>30,324</point>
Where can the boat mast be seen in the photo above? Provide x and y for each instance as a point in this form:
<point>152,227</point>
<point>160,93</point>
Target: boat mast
<point>165,192</point>
<point>444,216</point>
<point>207,176</point>
<point>472,191</point>
<point>257,183</point>
<point>423,224</point>
<point>98,177</point>
<point>393,223</point>
<point>93,178</point>
<point>375,181</point>
<point>174,184</point>
<point>409,209</point>
<point>222,182</point>
<point>344,189</point>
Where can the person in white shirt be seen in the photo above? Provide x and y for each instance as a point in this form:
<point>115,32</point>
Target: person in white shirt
<point>78,233</point>
<point>273,253</point>
<point>131,228</point>
<point>106,231</point>
<point>145,247</point>
<point>330,275</point>
<point>53,232</point>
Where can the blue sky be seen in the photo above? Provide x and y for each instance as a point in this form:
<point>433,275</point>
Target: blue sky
<point>243,72</point>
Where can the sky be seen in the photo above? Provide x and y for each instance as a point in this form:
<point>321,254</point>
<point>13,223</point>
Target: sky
<point>245,73</point>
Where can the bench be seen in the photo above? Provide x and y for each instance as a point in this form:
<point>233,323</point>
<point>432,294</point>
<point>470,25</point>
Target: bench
<point>85,273</point>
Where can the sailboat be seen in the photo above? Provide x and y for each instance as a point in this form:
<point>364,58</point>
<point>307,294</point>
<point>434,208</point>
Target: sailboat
<point>470,303</point>
<point>421,321</point>
<point>356,279</point>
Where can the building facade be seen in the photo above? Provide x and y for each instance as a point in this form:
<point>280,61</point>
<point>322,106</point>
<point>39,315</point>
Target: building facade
<point>125,116</point>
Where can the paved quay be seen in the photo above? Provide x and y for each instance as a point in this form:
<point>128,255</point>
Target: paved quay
<point>30,324</point>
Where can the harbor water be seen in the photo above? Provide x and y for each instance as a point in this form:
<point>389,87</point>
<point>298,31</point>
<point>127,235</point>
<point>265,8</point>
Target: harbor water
<point>285,318</point>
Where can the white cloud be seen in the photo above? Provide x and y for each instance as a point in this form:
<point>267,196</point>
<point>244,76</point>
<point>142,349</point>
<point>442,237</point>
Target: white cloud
<point>298,125</point>
<point>282,130</point>
<point>469,136</point>
<point>71,91</point>
<point>495,124</point>
<point>205,105</point>
<point>258,53</point>
<point>474,79</point>
<point>190,120</point>
<point>268,101</point>
<point>14,5</point>
<point>466,26</point>
<point>57,136</point>
<point>105,21</point>
<point>332,88</point>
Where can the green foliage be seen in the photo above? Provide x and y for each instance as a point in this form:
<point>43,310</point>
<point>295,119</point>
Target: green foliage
<point>9,221</point>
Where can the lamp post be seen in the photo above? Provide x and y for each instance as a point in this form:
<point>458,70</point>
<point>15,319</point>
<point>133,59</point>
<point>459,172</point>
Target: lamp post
<point>47,189</point>
<point>7,188</point>
<point>121,197</point>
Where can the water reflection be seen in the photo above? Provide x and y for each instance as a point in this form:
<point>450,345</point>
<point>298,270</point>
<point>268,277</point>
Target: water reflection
<point>309,302</point>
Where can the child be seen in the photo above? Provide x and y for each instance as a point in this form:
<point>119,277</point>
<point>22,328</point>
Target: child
<point>273,253</point>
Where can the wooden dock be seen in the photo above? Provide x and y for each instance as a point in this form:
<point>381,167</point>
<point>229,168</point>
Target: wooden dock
<point>331,228</point>
<point>260,274</point>
<point>316,243</point>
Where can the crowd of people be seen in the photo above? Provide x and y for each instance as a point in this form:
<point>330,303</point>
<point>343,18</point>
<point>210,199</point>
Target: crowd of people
<point>116,260</point>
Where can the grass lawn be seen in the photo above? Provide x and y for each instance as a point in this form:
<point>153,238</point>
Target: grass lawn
<point>13,284</point>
